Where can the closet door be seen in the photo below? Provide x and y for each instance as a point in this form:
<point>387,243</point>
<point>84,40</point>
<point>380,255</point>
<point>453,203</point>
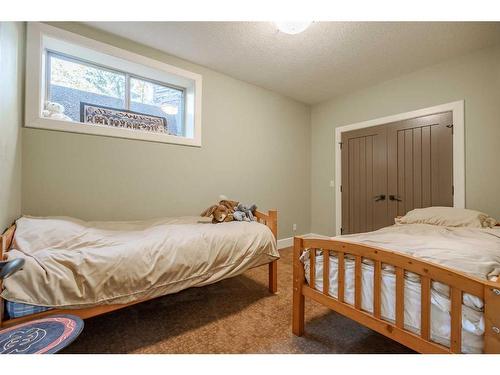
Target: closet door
<point>420,163</point>
<point>364,180</point>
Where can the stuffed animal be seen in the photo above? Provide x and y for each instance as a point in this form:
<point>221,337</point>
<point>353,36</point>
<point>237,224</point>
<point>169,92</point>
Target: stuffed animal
<point>244,213</point>
<point>222,212</point>
<point>239,216</point>
<point>55,111</point>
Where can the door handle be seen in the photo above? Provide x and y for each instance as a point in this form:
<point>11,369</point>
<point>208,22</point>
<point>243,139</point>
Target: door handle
<point>380,197</point>
<point>395,198</point>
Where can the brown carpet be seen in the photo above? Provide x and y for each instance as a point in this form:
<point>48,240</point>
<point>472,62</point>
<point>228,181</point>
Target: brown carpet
<point>237,315</point>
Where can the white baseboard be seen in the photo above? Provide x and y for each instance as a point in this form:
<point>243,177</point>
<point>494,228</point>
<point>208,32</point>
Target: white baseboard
<point>288,242</point>
<point>285,242</point>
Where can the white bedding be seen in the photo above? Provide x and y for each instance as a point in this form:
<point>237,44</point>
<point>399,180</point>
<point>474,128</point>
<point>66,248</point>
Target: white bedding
<point>74,264</point>
<point>473,251</point>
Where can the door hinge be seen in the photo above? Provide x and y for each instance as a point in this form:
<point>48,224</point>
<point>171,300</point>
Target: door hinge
<point>341,230</point>
<point>340,145</point>
<point>341,188</point>
<point>450,126</point>
<point>452,189</point>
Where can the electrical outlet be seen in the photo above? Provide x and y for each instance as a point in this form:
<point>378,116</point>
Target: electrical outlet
<point>294,227</point>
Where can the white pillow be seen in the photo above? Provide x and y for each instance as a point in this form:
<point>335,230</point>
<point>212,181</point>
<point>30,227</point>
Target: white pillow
<point>448,217</point>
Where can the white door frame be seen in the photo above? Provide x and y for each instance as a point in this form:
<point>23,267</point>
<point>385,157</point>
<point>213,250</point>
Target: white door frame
<point>457,109</point>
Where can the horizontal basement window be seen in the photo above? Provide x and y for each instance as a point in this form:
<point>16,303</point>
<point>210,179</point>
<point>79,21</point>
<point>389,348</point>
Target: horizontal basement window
<point>79,85</point>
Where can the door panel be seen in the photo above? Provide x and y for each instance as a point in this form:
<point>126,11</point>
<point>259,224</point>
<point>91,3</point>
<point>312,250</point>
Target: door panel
<point>417,167</point>
<point>444,196</point>
<point>410,163</point>
<point>420,163</point>
<point>426,166</point>
<point>364,176</point>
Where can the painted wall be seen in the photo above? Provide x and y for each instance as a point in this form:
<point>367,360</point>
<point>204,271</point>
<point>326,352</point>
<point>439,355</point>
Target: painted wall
<point>256,148</point>
<point>474,78</point>
<point>12,40</point>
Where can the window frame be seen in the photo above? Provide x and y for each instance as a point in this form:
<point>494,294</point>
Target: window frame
<point>126,75</point>
<point>44,40</point>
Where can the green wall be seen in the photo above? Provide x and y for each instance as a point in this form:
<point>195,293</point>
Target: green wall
<point>256,148</point>
<point>12,41</point>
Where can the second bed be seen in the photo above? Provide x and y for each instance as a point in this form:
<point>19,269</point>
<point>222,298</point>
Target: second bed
<point>421,284</point>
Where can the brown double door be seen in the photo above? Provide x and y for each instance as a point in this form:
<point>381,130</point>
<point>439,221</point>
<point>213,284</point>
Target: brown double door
<point>390,169</point>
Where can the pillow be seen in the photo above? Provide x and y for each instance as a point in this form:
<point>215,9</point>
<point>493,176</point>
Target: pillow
<point>448,217</point>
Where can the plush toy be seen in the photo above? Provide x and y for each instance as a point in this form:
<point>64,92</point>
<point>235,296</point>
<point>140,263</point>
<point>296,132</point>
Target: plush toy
<point>222,212</point>
<point>55,111</point>
<point>239,216</point>
<point>244,213</point>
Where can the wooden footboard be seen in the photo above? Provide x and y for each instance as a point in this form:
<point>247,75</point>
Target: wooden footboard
<point>458,282</point>
<point>270,219</point>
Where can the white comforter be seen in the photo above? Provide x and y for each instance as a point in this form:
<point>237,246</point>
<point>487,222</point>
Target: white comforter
<point>470,250</point>
<point>73,264</point>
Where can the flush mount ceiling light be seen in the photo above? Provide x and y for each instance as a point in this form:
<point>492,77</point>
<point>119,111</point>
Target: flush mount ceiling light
<point>292,27</point>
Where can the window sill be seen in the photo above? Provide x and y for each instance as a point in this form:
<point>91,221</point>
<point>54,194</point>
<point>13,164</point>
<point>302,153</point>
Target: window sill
<point>77,127</point>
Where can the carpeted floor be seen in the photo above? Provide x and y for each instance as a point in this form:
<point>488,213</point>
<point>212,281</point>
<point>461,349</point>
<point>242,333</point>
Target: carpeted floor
<point>237,315</point>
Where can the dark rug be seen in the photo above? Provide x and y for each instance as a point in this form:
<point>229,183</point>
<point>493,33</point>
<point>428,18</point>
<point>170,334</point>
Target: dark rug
<point>237,315</point>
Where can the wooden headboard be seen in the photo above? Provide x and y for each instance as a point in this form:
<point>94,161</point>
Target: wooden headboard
<point>5,243</point>
<point>6,240</point>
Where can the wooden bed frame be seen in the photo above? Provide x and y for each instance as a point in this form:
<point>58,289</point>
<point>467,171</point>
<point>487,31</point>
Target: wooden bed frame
<point>459,283</point>
<point>270,219</point>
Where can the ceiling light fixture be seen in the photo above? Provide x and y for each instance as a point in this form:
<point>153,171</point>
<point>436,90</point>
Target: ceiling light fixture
<point>293,27</point>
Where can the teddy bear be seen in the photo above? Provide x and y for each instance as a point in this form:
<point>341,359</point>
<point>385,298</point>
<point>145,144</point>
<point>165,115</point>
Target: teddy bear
<point>244,213</point>
<point>55,111</point>
<point>222,212</point>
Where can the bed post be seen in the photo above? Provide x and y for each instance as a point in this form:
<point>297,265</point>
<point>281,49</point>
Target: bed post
<point>273,266</point>
<point>492,318</point>
<point>298,282</point>
<point>5,242</point>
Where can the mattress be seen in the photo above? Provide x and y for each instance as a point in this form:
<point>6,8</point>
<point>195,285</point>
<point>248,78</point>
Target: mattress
<point>472,319</point>
<point>472,251</point>
<point>76,264</point>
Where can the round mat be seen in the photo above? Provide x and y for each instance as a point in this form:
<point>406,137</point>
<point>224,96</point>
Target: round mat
<point>41,336</point>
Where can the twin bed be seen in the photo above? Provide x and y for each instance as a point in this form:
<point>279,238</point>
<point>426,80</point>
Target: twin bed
<point>91,268</point>
<point>433,287</point>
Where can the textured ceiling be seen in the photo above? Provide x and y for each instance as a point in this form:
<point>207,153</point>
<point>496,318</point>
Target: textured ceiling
<point>328,59</point>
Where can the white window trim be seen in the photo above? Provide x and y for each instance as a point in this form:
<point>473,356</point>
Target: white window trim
<point>41,35</point>
<point>457,109</point>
